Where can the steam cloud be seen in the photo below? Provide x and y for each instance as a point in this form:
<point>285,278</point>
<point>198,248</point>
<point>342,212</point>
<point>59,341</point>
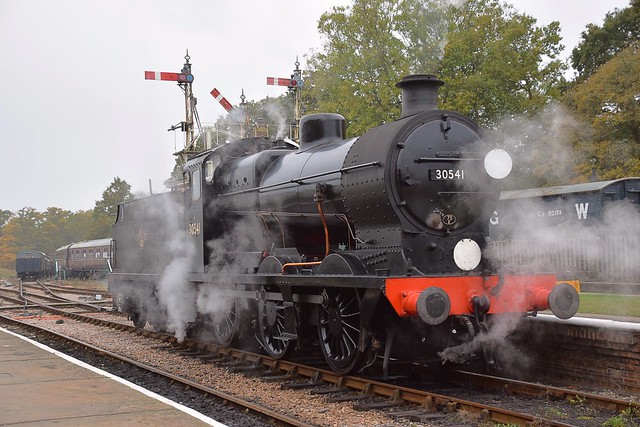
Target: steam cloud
<point>174,294</point>
<point>542,146</point>
<point>494,345</point>
<point>178,300</point>
<point>276,114</point>
<point>245,236</point>
<point>573,249</point>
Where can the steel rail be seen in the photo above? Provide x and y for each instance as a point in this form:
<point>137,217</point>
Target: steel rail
<point>539,390</point>
<point>273,416</point>
<point>71,290</point>
<point>58,300</point>
<point>428,401</point>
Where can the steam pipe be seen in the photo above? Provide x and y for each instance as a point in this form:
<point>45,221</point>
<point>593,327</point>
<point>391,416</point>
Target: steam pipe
<point>299,264</point>
<point>326,240</point>
<point>326,229</point>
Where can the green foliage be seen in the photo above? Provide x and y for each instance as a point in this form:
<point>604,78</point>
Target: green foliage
<point>4,216</point>
<point>106,209</point>
<point>578,400</point>
<point>495,62</point>
<point>276,114</point>
<point>610,102</point>
<point>118,191</point>
<point>628,418</point>
<point>368,47</point>
<point>617,421</point>
<point>620,29</point>
<point>7,273</point>
<point>498,63</point>
<point>46,231</point>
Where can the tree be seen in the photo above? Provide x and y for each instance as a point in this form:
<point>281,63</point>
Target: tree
<point>55,229</point>
<point>21,232</point>
<point>610,101</point>
<point>49,230</point>
<point>8,245</point>
<point>368,48</point>
<point>106,209</point>
<point>4,217</point>
<point>497,63</point>
<point>28,223</point>
<point>253,116</point>
<point>620,29</point>
<point>118,191</point>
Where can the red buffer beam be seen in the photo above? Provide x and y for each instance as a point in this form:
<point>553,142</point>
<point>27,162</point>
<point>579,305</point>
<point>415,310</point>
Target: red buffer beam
<point>222,100</point>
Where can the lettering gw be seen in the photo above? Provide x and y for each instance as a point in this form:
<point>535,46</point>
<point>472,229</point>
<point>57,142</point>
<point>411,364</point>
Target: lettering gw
<point>582,209</point>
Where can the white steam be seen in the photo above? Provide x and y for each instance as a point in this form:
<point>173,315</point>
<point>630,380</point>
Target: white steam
<point>174,293</point>
<point>605,248</point>
<point>541,146</point>
<point>493,345</point>
<point>229,255</point>
<point>279,116</point>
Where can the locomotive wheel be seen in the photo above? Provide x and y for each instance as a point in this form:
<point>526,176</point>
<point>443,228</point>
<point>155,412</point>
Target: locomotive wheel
<point>271,320</point>
<point>339,331</point>
<point>226,324</point>
<point>160,326</point>
<point>271,314</point>
<point>139,320</point>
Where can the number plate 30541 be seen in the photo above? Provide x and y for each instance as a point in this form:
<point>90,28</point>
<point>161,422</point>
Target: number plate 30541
<point>445,174</point>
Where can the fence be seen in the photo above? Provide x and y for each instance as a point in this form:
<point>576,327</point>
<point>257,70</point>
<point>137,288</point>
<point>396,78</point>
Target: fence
<point>610,258</point>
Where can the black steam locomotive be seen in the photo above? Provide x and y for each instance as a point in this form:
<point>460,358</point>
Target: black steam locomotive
<point>363,246</point>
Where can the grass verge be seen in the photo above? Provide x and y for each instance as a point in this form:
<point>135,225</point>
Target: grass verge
<point>615,305</point>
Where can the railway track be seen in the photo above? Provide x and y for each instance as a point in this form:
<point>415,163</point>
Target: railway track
<point>364,394</point>
<point>56,289</point>
<point>271,417</point>
<point>45,297</point>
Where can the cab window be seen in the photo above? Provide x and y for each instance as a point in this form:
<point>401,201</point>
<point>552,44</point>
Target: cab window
<point>196,185</point>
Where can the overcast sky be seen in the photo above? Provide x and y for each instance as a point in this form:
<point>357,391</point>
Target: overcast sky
<point>76,111</point>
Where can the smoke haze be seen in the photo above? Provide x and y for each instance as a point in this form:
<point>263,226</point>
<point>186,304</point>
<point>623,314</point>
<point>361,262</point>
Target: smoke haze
<point>174,293</point>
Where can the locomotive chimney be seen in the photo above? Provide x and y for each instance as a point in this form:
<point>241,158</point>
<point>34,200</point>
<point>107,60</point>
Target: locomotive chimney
<point>419,93</point>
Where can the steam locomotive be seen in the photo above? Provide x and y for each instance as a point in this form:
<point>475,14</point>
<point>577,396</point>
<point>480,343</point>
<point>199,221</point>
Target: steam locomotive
<point>364,247</point>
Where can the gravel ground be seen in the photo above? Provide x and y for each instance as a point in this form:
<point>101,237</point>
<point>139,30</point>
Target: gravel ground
<point>301,404</point>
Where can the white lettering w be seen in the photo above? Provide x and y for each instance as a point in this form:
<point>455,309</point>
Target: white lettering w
<point>582,209</point>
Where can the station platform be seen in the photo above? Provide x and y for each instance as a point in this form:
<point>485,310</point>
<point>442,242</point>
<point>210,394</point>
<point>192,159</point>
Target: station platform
<point>40,386</point>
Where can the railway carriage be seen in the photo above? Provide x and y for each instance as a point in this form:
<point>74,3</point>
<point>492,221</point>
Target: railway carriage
<point>82,260</point>
<point>361,247</point>
<point>587,231</point>
<point>32,264</point>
